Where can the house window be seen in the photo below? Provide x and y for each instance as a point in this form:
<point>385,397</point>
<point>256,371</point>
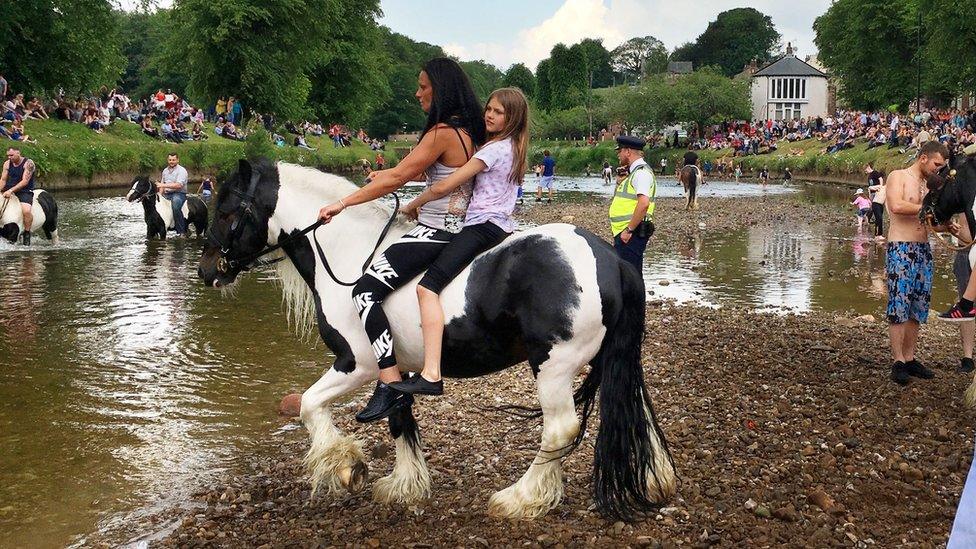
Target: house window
<point>788,88</point>
<point>787,111</point>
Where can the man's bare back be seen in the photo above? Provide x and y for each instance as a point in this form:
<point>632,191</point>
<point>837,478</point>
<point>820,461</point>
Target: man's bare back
<point>906,189</point>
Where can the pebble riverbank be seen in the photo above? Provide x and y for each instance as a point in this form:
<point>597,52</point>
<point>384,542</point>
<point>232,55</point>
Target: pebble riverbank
<point>784,428</point>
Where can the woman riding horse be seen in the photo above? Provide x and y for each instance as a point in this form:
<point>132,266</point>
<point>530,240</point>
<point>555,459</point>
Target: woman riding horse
<point>455,128</point>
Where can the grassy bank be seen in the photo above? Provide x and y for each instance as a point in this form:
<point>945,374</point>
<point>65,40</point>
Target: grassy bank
<point>66,150</point>
<point>842,166</point>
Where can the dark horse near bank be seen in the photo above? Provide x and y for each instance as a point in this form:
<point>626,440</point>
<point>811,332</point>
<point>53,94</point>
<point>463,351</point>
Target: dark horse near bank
<point>159,209</point>
<point>953,191</point>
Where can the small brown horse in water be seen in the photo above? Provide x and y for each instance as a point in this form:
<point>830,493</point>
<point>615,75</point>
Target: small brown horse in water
<point>690,176</point>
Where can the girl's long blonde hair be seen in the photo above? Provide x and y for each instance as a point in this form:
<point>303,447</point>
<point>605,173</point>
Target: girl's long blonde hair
<point>516,126</point>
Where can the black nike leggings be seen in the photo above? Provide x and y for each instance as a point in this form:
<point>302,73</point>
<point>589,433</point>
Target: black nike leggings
<point>400,263</point>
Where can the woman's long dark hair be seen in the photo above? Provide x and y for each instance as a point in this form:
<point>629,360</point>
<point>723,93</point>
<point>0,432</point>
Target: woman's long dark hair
<point>454,102</point>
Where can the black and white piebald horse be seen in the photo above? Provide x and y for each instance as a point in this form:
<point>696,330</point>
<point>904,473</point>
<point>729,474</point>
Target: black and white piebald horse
<point>556,296</point>
<point>44,209</point>
<point>690,176</point>
<point>953,191</point>
<point>159,209</point>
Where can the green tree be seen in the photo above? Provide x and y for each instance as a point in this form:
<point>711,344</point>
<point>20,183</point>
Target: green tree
<point>734,38</point>
<point>258,51</point>
<point>485,78</point>
<point>519,76</point>
<point>949,36</point>
<point>543,88</point>
<point>143,37</point>
<point>599,72</point>
<point>50,44</point>
<point>401,112</point>
<point>701,98</point>
<point>568,80</point>
<point>685,52</point>
<point>869,45</point>
<point>350,82</point>
<point>704,97</point>
<point>640,55</point>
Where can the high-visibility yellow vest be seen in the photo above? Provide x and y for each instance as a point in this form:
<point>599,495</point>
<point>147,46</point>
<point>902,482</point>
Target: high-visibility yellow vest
<point>625,201</point>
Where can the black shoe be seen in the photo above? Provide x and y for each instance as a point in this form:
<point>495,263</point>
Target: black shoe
<point>899,373</point>
<point>385,401</point>
<point>538,200</point>
<point>966,365</point>
<point>916,369</point>
<point>26,238</point>
<point>958,314</point>
<point>417,385</point>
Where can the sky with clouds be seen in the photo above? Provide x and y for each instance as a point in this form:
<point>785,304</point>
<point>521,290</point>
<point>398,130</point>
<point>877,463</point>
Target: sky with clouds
<point>503,32</point>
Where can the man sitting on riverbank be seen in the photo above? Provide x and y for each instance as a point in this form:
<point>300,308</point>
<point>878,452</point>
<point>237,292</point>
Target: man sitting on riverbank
<point>909,261</point>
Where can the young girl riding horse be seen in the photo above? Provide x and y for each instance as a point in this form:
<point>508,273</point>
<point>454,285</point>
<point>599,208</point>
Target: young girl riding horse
<point>497,169</point>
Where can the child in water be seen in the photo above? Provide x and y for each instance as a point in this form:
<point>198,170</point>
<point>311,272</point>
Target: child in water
<point>498,168</point>
<point>863,207</point>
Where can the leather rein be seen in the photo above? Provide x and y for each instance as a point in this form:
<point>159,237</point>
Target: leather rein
<point>249,261</point>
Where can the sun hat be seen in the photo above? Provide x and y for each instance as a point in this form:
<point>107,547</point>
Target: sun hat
<point>859,191</point>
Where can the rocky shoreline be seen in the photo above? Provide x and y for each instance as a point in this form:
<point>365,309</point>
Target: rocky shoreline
<point>784,428</point>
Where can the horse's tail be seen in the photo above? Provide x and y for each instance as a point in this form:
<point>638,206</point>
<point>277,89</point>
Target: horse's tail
<point>50,208</point>
<point>632,467</point>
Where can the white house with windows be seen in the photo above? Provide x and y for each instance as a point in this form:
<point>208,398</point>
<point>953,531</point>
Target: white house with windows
<point>789,88</point>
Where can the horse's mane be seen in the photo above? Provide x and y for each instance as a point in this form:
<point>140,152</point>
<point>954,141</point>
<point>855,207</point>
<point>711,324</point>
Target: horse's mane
<point>319,188</point>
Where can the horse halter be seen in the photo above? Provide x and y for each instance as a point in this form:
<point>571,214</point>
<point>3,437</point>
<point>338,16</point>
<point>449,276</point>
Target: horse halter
<point>244,209</point>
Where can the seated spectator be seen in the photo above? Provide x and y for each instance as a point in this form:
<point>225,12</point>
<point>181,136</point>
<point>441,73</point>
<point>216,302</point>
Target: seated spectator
<point>91,120</point>
<point>19,107</point>
<point>9,110</point>
<point>230,132</point>
<point>198,133</point>
<point>17,132</point>
<point>300,143</point>
<point>219,127</point>
<point>148,128</point>
<point>168,133</point>
<point>278,139</point>
<point>36,109</point>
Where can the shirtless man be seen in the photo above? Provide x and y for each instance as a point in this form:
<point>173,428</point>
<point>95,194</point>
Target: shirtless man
<point>909,261</point>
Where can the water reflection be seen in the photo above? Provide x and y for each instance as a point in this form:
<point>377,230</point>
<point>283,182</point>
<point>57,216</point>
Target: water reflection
<point>779,268</point>
<point>123,380</point>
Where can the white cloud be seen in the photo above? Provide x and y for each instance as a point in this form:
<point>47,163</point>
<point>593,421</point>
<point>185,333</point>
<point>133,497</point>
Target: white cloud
<point>617,20</point>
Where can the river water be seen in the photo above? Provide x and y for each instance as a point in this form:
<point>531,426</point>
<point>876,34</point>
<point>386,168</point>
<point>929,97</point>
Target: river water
<point>125,384</point>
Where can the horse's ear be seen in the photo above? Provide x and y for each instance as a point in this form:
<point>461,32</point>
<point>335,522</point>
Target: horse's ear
<point>244,169</point>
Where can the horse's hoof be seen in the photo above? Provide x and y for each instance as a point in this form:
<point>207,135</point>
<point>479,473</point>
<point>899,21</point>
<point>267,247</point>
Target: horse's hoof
<point>354,477</point>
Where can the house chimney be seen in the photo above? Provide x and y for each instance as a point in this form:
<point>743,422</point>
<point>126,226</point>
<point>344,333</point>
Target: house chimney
<point>789,48</point>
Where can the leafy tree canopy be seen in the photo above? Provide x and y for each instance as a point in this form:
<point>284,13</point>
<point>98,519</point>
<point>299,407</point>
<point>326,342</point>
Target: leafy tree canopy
<point>732,40</point>
<point>46,45</point>
<point>519,76</point>
<point>641,55</point>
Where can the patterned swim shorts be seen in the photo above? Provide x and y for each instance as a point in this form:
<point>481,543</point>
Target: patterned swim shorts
<point>909,272</point>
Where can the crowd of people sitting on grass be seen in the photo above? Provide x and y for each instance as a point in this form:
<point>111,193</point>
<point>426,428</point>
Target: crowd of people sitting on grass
<point>163,115</point>
<point>953,127</point>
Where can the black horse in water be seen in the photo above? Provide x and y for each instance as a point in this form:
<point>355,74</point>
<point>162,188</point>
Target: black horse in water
<point>953,191</point>
<point>159,209</point>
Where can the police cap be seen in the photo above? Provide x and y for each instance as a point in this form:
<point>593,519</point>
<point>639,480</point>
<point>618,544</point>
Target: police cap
<point>630,142</point>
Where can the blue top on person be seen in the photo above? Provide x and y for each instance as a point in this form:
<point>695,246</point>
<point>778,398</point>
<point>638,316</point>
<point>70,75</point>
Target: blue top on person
<point>548,166</point>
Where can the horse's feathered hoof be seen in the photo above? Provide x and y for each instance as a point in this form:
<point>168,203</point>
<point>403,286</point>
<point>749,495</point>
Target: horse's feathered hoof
<point>354,477</point>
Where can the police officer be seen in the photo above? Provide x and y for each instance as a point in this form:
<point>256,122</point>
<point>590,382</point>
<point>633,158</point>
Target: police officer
<point>633,202</point>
